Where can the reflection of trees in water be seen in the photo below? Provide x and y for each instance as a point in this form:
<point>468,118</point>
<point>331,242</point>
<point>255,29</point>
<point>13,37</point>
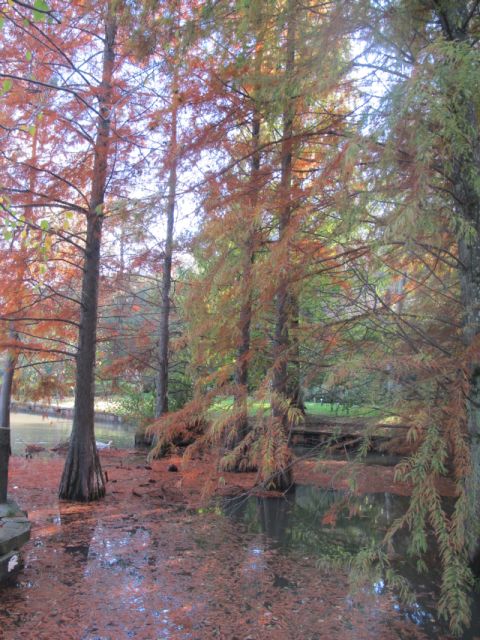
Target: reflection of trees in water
<point>32,429</point>
<point>275,515</point>
<point>270,516</point>
<point>321,524</point>
<point>77,528</point>
<point>296,521</point>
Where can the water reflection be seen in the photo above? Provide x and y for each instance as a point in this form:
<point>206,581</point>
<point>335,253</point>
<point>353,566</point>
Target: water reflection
<point>301,519</point>
<point>49,432</point>
<point>135,569</point>
<point>326,526</point>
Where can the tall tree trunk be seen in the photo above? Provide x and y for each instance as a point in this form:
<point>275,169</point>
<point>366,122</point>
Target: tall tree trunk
<point>5,398</point>
<point>11,358</point>
<point>241,364</point>
<point>469,254</point>
<point>295,392</point>
<point>244,324</point>
<point>82,477</point>
<point>468,199</point>
<point>454,18</point>
<point>241,461</point>
<point>161,406</point>
<point>281,341</point>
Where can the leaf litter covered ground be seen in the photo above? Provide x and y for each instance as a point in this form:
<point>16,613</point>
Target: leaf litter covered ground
<point>144,564</point>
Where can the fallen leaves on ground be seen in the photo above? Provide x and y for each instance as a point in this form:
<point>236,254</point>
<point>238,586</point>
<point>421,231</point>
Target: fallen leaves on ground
<point>142,564</point>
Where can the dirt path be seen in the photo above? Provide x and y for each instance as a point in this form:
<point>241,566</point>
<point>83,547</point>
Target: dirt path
<point>141,565</point>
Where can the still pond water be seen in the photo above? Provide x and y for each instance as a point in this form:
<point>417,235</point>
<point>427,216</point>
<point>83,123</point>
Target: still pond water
<point>49,432</point>
<point>293,523</point>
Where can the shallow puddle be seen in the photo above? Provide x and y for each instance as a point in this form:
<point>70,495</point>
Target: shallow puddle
<point>299,523</point>
<point>134,567</point>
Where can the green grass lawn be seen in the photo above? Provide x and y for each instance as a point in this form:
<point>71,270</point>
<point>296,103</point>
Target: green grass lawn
<point>312,408</point>
<point>329,410</point>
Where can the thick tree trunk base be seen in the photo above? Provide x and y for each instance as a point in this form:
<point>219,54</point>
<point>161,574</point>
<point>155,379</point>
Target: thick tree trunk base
<point>298,403</point>
<point>4,459</point>
<point>5,400</point>
<point>475,564</point>
<point>82,481</point>
<point>473,494</point>
<point>237,464</point>
<point>276,456</point>
<point>238,455</point>
<point>162,450</point>
<point>282,480</point>
<point>142,440</point>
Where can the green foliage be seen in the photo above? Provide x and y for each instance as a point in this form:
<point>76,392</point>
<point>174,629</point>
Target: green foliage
<point>328,409</point>
<point>40,10</point>
<point>430,183</point>
<point>6,86</point>
<point>137,407</point>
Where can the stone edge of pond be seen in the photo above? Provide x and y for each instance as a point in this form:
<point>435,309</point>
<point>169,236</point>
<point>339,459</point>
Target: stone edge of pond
<point>14,533</point>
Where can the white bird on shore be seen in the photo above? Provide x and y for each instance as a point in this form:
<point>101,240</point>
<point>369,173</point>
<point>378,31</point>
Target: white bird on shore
<point>104,445</point>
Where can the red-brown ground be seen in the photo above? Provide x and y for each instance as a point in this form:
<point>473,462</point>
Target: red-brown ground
<point>141,565</point>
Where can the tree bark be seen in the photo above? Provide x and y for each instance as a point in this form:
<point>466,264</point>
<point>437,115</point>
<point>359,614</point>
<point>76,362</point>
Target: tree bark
<point>469,254</point>
<point>281,341</point>
<point>5,399</point>
<point>240,395</point>
<point>454,18</point>
<point>281,336</point>
<point>468,200</point>
<point>161,405</point>
<point>240,428</point>
<point>295,391</point>
<point>82,478</point>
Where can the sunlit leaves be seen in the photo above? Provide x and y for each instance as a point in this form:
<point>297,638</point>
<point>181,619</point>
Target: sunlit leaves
<point>40,10</point>
<point>6,86</point>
